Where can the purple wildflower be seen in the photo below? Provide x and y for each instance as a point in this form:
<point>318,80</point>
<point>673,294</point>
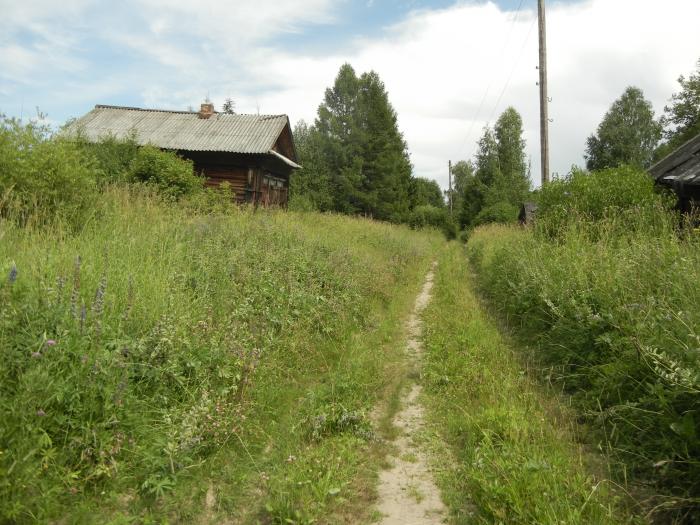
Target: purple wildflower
<point>13,274</point>
<point>36,355</point>
<point>40,413</point>
<point>50,342</point>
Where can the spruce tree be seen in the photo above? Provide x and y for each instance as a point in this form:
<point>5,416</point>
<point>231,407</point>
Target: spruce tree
<point>340,143</point>
<point>386,166</point>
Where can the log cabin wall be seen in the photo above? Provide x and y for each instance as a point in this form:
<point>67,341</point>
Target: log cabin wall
<point>253,178</point>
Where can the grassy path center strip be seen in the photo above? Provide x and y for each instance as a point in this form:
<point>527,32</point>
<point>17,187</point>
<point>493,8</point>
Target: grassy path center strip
<point>512,455</point>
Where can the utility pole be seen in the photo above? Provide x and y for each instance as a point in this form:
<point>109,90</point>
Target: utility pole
<point>544,99</point>
<point>449,175</point>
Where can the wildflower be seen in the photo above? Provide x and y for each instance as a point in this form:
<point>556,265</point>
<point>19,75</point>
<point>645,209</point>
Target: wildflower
<point>83,317</point>
<point>40,413</point>
<point>50,342</point>
<point>13,274</point>
<point>98,304</point>
<point>36,355</point>
<point>76,288</point>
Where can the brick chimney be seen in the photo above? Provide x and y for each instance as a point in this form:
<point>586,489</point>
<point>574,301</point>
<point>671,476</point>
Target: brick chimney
<point>207,110</point>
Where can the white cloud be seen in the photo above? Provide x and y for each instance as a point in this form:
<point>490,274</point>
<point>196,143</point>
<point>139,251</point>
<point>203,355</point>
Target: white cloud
<point>439,66</point>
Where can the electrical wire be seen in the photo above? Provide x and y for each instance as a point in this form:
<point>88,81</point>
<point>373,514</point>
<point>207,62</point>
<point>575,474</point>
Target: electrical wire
<point>492,77</point>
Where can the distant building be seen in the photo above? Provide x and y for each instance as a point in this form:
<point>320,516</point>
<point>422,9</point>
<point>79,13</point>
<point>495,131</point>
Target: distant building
<point>680,171</point>
<point>255,154</point>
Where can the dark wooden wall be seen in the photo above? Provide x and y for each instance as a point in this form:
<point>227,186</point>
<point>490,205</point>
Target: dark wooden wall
<point>248,175</point>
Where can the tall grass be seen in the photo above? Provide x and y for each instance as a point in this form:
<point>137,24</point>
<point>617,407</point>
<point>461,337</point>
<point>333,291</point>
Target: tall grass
<point>611,303</point>
<point>512,456</point>
<point>155,349</point>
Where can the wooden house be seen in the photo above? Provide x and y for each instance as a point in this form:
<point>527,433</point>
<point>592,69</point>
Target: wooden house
<point>255,154</point>
<point>680,171</point>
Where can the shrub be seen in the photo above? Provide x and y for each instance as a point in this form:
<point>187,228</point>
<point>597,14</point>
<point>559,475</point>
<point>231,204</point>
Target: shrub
<point>501,213</point>
<point>613,316</point>
<point>624,192</point>
<point>171,174</point>
<point>113,156</point>
<point>43,176</point>
<point>429,216</point>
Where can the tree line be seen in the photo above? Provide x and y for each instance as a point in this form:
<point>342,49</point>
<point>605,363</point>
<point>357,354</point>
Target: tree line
<point>356,160</point>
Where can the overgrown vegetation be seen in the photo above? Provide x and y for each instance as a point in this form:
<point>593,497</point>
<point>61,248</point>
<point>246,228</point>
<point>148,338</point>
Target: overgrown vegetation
<point>184,360</point>
<point>512,456</point>
<point>605,287</point>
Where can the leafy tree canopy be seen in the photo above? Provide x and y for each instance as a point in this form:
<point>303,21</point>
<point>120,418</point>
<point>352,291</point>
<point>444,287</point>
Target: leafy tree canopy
<point>426,192</point>
<point>681,118</point>
<point>627,134</point>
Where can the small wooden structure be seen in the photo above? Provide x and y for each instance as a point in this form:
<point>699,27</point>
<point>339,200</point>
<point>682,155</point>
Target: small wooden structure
<point>255,154</point>
<point>680,171</point>
<point>527,213</point>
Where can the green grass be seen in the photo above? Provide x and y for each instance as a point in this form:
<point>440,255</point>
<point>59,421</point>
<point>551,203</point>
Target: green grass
<point>513,455</point>
<point>610,308</point>
<point>205,365</point>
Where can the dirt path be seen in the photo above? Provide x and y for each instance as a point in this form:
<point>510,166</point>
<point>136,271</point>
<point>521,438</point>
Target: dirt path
<point>407,493</point>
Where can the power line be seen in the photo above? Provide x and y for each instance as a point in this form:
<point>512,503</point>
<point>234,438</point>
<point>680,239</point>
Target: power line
<point>512,71</point>
<point>492,77</point>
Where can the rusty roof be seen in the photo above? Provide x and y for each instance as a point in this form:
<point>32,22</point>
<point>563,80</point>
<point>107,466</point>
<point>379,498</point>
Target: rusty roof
<point>183,130</point>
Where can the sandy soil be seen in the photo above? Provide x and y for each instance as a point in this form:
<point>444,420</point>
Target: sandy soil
<point>407,493</point>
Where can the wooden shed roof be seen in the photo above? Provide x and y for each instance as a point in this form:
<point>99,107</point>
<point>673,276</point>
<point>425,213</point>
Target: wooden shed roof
<point>681,166</point>
<point>185,130</point>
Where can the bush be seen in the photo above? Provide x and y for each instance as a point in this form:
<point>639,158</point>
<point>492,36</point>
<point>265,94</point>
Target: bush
<point>613,314</point>
<point>501,213</point>
<point>43,176</point>
<point>171,174</point>
<point>622,193</point>
<point>113,156</point>
<point>429,216</point>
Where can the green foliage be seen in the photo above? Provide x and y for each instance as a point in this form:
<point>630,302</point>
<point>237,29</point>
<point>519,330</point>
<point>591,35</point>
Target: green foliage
<point>511,455</point>
<point>173,176</point>
<point>362,150</point>
<point>310,187</point>
<point>43,177</point>
<point>626,194</point>
<point>498,180</point>
<point>161,348</point>
<point>426,192</point>
<point>462,173</point>
<point>681,118</point>
<point>501,212</point>
<point>428,216</point>
<point>627,134</point>
<point>604,288</point>
<point>112,155</point>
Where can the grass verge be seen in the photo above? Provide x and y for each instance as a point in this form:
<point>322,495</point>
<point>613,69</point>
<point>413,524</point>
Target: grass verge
<point>166,365</point>
<point>512,455</point>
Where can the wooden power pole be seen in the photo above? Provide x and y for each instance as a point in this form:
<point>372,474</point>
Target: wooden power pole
<point>544,98</point>
<point>449,176</point>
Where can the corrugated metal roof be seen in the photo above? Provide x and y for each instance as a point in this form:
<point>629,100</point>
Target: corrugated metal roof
<point>183,130</point>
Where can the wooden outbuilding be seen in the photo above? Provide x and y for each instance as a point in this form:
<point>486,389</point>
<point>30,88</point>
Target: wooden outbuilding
<point>255,154</point>
<point>680,171</point>
<point>527,213</point>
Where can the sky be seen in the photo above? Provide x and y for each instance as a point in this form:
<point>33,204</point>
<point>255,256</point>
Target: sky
<point>450,67</point>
